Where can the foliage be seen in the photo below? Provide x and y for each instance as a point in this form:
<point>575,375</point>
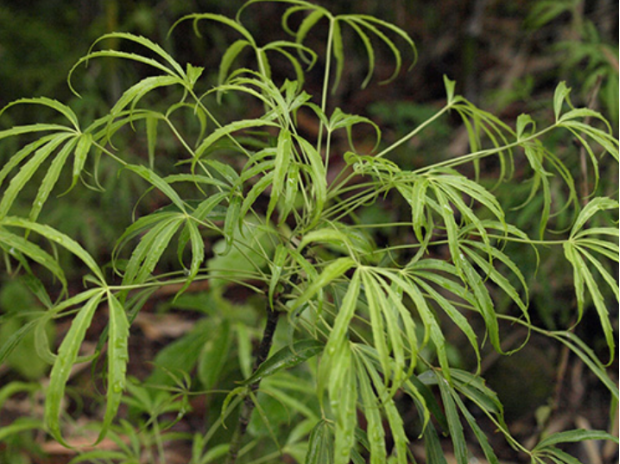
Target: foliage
<point>253,203</point>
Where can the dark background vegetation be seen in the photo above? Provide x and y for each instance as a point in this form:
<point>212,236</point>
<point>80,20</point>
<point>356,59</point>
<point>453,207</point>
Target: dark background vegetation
<point>501,59</point>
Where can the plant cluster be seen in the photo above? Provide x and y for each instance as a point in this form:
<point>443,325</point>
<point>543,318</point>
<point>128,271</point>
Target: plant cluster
<point>351,327</point>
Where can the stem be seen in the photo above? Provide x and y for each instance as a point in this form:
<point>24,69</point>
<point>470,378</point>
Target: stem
<point>248,405</point>
<point>413,132</point>
<point>483,153</point>
<point>328,57</point>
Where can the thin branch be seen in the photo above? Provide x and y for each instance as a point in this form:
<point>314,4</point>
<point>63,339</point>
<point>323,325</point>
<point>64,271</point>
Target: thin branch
<point>248,405</point>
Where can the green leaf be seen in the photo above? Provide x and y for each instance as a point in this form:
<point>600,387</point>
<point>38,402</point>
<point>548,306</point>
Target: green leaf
<point>560,95</point>
<point>231,224</point>
<point>151,138</point>
<point>214,354</point>
<point>595,205</point>
<point>136,92</point>
<point>394,418</point>
<point>196,17</point>
<point>384,324</point>
<point>432,446</point>
<point>475,389</point>
<point>337,50</point>
<point>181,355</point>
<point>320,445</point>
<point>366,22</point>
<point>341,120</point>
<point>337,336</point>
<point>285,358</point>
<point>309,22</point>
<point>13,341</point>
<point>480,436</point>
<point>371,408</point>
<point>450,86</point>
<point>276,266</point>
<point>150,249</point>
<point>425,401</point>
<point>44,101</point>
<point>147,43</point>
<point>27,171</point>
<point>418,202</point>
<point>582,275</point>
<point>370,53</point>
<point>229,56</point>
<point>16,244</point>
<point>50,179</point>
<point>156,181</point>
<point>19,425</point>
<point>497,276</point>
<point>118,357</point>
<point>318,177</point>
<point>284,155</point>
<point>484,303</point>
<point>67,355</point>
<point>327,235</point>
<point>257,189</point>
<point>445,210</point>
<point>432,329</point>
<point>18,157</point>
<point>573,436</point>
<point>191,233</point>
<point>225,131</point>
<point>118,54</point>
<point>343,400</point>
<point>523,121</point>
<point>174,69</point>
<point>139,227</point>
<point>57,237</point>
<point>331,272</point>
<point>459,319</point>
<point>454,423</point>
<point>589,358</point>
<point>85,142</point>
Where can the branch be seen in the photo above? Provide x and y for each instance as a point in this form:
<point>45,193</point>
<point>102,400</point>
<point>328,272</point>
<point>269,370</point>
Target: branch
<point>248,405</point>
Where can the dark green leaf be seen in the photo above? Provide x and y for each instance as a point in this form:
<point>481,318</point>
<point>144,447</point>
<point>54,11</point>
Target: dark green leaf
<point>287,357</point>
<point>214,354</point>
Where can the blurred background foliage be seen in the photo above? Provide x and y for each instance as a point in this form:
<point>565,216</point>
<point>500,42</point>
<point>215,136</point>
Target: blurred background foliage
<point>506,56</point>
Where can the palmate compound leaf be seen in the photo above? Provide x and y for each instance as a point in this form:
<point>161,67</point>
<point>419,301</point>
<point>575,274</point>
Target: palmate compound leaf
<point>577,250</point>
<point>150,249</point>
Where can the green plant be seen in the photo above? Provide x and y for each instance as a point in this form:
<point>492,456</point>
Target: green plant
<point>353,326</point>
